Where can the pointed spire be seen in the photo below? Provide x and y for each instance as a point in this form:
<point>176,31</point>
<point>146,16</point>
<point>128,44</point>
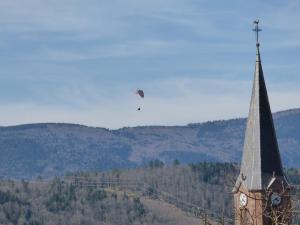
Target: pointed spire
<point>261,157</point>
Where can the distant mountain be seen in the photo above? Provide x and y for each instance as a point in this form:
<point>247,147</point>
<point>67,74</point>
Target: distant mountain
<point>49,149</point>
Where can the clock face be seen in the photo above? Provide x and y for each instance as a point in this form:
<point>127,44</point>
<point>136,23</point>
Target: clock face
<point>243,199</point>
<point>275,199</point>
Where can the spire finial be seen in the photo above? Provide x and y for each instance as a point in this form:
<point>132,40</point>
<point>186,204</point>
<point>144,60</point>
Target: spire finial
<point>257,30</point>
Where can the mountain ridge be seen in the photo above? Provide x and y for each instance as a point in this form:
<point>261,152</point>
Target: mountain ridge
<point>51,149</point>
<point>275,115</point>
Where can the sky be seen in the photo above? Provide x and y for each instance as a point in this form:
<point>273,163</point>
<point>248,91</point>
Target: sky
<point>81,61</point>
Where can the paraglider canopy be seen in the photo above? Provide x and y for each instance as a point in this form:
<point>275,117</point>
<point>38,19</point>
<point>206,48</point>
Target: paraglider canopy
<point>140,93</point>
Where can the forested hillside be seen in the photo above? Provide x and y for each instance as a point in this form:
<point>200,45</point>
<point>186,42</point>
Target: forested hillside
<point>48,150</point>
<point>155,194</point>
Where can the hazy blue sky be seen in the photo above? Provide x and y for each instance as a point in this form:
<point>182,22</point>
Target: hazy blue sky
<point>81,61</point>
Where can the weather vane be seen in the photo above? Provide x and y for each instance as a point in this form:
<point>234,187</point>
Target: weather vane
<point>256,30</point>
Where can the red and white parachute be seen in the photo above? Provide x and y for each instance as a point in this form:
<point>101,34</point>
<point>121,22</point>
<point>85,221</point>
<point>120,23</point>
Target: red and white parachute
<point>140,93</point>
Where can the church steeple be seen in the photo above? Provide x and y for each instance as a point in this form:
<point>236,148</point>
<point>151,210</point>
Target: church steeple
<point>261,158</point>
<point>261,188</point>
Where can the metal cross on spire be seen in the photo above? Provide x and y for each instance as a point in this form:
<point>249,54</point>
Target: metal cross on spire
<point>256,30</point>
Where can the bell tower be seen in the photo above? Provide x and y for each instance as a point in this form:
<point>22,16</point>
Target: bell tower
<point>261,192</point>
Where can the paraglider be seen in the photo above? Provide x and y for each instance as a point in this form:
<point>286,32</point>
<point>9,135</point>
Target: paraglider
<point>140,93</point>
